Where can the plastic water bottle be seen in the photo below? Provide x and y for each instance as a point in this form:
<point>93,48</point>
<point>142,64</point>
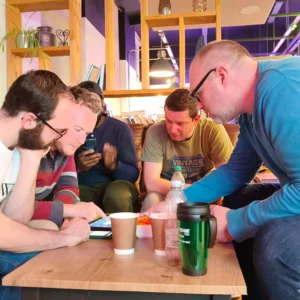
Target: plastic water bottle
<point>173,198</point>
<point>177,176</point>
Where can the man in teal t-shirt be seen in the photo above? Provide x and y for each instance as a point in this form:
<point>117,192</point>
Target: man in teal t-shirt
<point>264,219</point>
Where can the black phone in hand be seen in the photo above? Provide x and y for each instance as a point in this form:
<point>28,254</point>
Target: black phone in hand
<point>90,143</point>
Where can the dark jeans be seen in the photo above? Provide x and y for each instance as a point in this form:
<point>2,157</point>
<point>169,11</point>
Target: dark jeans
<point>116,196</point>
<point>270,261</point>
<point>8,262</point>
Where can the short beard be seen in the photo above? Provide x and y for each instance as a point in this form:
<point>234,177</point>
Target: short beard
<point>31,139</point>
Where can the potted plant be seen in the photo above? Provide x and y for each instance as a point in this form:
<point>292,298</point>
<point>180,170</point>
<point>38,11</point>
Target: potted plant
<point>24,37</point>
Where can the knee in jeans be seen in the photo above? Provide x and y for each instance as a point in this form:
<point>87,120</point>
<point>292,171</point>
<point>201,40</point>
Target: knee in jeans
<point>152,199</point>
<point>10,261</point>
<point>6,268</point>
<point>120,196</point>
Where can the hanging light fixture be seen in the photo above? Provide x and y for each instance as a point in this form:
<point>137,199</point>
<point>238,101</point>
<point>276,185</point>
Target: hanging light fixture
<point>161,67</point>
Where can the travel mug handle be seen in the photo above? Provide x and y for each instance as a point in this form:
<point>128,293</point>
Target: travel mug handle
<point>212,229</point>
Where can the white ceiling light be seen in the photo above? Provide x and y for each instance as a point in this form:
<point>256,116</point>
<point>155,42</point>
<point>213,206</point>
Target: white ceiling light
<point>250,10</point>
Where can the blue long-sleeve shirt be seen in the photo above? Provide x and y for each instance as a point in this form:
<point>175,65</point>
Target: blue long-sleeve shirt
<point>272,135</point>
<point>119,135</point>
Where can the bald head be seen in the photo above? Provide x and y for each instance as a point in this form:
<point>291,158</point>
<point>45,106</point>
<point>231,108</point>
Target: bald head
<point>222,77</point>
<point>220,52</point>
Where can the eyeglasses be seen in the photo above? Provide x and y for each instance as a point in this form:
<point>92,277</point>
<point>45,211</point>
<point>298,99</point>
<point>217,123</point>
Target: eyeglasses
<point>60,134</point>
<point>196,89</point>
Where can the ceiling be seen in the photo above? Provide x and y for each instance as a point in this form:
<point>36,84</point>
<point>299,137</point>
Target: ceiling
<point>258,32</point>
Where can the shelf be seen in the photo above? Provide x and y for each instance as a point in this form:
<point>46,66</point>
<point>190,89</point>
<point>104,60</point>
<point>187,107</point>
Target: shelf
<point>138,93</point>
<point>51,51</point>
<point>39,5</point>
<point>195,18</point>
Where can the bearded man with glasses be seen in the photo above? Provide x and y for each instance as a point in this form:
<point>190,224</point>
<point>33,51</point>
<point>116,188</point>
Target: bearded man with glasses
<point>37,109</point>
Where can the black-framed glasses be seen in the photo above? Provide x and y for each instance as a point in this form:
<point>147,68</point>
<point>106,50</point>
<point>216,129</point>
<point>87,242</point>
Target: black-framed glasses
<point>196,89</point>
<point>60,134</point>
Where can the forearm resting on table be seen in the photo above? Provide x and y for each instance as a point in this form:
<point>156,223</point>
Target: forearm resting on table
<point>158,185</point>
<point>16,237</point>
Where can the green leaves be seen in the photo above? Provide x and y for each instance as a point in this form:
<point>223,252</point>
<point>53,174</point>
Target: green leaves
<point>3,40</point>
<point>29,34</point>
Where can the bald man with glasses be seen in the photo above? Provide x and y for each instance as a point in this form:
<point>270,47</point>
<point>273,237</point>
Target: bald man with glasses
<point>261,219</point>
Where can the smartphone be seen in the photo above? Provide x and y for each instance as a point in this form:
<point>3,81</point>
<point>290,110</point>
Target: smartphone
<point>90,143</point>
<point>100,235</point>
<point>101,224</point>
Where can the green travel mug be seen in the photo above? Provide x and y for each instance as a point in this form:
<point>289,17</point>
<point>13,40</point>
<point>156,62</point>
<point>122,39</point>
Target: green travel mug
<point>197,233</point>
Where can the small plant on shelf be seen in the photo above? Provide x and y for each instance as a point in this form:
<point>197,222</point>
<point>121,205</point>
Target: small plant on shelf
<point>24,37</point>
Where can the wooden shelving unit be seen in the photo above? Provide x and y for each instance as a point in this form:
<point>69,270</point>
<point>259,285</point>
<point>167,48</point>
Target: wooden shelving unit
<point>15,55</point>
<point>50,51</point>
<point>208,18</point>
<point>196,18</point>
<point>39,5</point>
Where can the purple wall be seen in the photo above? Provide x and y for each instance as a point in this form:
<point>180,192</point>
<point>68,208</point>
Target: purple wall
<point>130,42</point>
<point>93,10</point>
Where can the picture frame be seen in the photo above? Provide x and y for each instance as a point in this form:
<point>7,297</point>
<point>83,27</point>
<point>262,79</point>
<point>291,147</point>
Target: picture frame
<point>93,74</point>
<point>97,74</point>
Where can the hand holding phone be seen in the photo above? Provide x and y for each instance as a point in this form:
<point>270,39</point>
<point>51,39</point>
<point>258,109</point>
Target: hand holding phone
<point>87,159</point>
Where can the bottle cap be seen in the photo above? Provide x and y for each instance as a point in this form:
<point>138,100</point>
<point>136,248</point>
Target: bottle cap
<point>176,183</point>
<point>177,168</point>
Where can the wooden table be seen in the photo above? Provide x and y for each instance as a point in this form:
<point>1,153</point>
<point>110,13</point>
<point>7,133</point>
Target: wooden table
<point>92,270</point>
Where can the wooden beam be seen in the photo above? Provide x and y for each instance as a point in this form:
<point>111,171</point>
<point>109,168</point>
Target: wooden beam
<point>51,51</point>
<point>39,5</point>
<point>145,45</point>
<point>110,49</point>
<point>45,62</point>
<point>218,21</point>
<point>194,18</point>
<point>14,63</point>
<point>181,53</point>
<point>75,42</point>
<point>137,93</point>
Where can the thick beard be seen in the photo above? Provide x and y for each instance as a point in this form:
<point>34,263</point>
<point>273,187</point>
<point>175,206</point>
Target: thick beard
<point>31,139</point>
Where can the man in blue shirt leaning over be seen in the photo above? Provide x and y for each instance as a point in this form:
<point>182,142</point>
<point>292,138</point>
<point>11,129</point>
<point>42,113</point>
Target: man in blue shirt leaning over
<point>262,219</point>
<point>107,174</point>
